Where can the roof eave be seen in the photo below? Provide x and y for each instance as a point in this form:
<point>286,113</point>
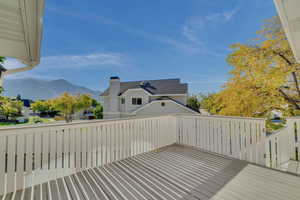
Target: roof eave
<point>28,26</point>
<point>289,14</point>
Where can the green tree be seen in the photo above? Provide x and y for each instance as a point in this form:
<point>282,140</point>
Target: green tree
<point>193,103</point>
<point>208,102</point>
<point>98,111</point>
<point>43,107</point>
<point>68,104</point>
<point>19,98</point>
<point>9,108</point>
<point>95,103</point>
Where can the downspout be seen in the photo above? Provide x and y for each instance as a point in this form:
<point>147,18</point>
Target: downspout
<point>2,71</point>
<point>13,71</point>
<point>1,78</point>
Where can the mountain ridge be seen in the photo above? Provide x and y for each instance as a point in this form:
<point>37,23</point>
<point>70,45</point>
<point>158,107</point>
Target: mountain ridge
<point>35,89</point>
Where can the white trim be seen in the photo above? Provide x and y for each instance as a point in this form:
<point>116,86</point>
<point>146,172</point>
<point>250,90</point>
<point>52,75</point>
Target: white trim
<point>159,95</point>
<point>136,89</point>
<point>148,104</point>
<point>152,95</point>
<point>112,112</point>
<point>284,15</point>
<point>30,14</point>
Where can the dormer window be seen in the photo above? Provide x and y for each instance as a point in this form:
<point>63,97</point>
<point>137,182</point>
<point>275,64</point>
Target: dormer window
<point>136,101</point>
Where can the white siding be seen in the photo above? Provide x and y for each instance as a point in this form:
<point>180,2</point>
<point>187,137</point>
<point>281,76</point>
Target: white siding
<point>156,108</point>
<point>135,93</point>
<point>179,98</point>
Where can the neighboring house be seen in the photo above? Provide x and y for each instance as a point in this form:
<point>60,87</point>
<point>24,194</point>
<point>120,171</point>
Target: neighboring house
<point>151,97</point>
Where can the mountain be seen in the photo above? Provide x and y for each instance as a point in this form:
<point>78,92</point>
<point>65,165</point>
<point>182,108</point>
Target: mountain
<point>34,89</point>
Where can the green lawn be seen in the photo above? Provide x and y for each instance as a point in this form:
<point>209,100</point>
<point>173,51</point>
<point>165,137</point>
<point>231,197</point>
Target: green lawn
<point>9,123</point>
<point>32,120</point>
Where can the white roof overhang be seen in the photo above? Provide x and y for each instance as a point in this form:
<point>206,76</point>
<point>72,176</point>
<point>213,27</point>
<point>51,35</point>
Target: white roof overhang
<point>21,31</point>
<point>289,13</point>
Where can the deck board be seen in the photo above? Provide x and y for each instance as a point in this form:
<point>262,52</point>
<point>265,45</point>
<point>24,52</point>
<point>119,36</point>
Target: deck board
<point>172,173</point>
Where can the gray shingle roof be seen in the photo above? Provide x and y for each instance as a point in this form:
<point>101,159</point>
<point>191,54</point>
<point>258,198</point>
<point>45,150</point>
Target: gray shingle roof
<point>155,87</point>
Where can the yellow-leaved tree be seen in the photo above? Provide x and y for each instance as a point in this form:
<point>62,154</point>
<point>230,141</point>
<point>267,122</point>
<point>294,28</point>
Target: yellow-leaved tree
<point>68,104</point>
<point>264,76</point>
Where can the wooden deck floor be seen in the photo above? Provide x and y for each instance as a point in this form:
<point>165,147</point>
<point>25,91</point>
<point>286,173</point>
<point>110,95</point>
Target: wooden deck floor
<point>174,172</point>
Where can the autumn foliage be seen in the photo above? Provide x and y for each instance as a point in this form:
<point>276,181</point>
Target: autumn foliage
<point>264,77</point>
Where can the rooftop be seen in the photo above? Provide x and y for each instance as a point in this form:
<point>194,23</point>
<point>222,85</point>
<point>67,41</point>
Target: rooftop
<point>155,87</point>
<point>172,172</point>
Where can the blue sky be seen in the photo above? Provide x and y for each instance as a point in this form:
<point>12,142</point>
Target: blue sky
<point>86,42</point>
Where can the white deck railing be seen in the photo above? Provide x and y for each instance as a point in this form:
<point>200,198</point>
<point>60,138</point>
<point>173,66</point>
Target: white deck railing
<point>34,154</point>
<point>293,125</point>
<point>277,149</point>
<point>284,145</point>
<point>242,138</point>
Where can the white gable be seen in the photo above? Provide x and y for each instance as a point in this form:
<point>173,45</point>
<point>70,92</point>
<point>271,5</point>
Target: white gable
<point>163,107</point>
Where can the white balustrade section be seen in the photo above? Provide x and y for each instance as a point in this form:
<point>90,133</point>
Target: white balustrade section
<point>284,145</point>
<point>278,149</point>
<point>241,138</point>
<point>31,155</point>
<point>34,154</point>
<point>293,125</point>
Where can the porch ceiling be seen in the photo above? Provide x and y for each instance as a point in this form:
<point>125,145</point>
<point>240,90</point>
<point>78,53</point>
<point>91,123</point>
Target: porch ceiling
<point>175,172</point>
<point>21,30</point>
<point>289,14</point>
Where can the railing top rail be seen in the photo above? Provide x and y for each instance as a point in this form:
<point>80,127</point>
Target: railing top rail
<point>4,130</point>
<point>221,116</point>
<point>83,122</point>
<point>297,117</point>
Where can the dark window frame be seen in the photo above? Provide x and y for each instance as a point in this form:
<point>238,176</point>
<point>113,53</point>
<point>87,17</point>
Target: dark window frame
<point>136,101</point>
<point>122,100</point>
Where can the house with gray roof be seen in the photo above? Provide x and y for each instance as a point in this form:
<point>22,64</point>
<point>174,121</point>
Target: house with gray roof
<point>148,97</point>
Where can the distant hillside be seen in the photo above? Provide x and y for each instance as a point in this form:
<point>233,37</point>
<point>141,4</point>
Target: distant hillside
<point>42,89</point>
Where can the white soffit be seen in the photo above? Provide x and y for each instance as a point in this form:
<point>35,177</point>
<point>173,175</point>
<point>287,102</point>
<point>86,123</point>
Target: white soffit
<point>21,29</point>
<point>289,13</point>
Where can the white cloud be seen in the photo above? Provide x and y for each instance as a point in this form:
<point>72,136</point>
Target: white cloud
<point>228,15</point>
<point>75,61</point>
<point>190,31</point>
<point>60,62</point>
<point>84,61</point>
<point>196,25</point>
<point>10,63</point>
<point>33,75</point>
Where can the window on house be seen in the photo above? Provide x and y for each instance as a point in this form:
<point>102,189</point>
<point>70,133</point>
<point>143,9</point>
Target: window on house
<point>122,100</point>
<point>136,101</point>
<point>139,101</point>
